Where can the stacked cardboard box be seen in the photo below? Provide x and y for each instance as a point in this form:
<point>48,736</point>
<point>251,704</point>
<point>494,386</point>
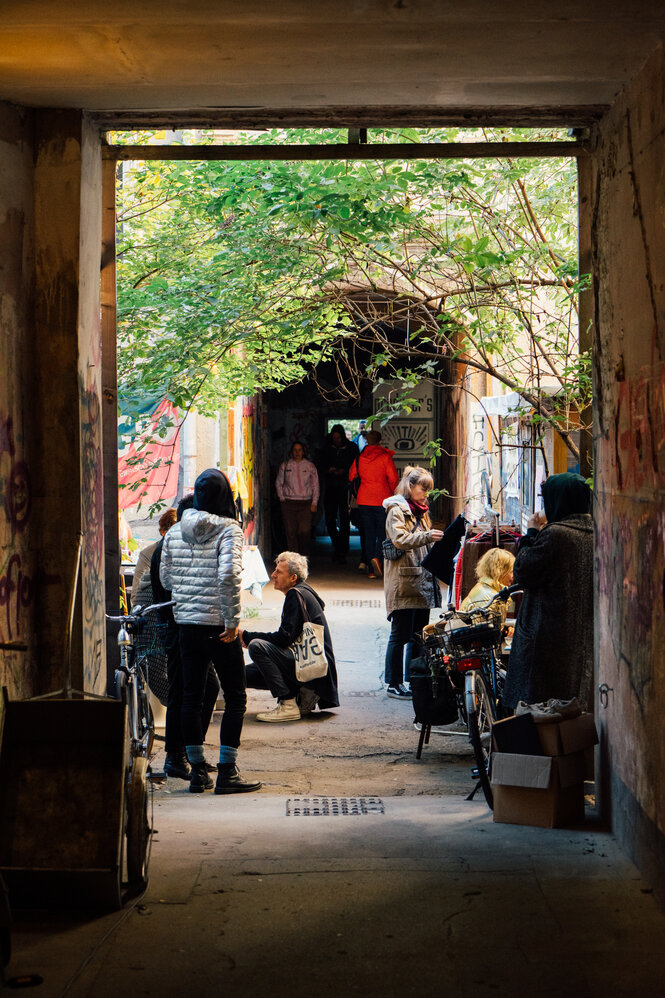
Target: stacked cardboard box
<point>538,770</point>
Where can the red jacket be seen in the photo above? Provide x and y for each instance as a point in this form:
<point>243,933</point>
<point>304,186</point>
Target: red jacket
<point>378,475</point>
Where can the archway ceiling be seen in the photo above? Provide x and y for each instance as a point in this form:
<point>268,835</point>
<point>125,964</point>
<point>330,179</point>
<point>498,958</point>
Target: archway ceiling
<point>314,61</point>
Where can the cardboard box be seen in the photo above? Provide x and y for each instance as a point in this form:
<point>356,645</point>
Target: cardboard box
<point>538,790</point>
<point>566,737</point>
<point>517,735</point>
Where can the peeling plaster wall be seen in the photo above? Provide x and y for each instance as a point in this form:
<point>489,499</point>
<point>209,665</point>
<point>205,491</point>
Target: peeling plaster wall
<point>18,563</point>
<point>629,263</point>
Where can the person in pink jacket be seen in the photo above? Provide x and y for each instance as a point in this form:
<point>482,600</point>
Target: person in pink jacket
<point>378,480</point>
<point>298,490</point>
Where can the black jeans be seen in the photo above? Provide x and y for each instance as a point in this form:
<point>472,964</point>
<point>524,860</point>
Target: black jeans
<point>336,503</point>
<point>277,666</point>
<point>404,625</point>
<point>174,742</point>
<point>374,522</point>
<point>199,645</point>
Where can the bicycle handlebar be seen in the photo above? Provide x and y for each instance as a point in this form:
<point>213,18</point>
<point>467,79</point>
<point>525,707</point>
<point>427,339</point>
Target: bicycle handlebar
<point>139,612</point>
<point>503,596</point>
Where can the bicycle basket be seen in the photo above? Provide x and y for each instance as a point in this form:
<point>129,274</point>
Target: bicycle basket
<point>151,653</point>
<point>463,635</point>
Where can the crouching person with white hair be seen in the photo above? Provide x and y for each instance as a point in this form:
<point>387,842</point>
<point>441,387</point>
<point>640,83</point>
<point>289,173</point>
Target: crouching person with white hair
<point>274,665</point>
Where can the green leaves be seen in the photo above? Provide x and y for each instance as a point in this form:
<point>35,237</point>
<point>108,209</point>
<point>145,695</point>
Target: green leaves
<point>233,277</point>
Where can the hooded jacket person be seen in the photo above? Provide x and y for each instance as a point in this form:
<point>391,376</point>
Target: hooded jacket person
<point>201,565</point>
<point>552,648</point>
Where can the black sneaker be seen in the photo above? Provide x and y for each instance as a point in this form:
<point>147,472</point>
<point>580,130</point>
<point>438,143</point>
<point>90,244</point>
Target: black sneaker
<point>399,693</point>
<point>200,779</point>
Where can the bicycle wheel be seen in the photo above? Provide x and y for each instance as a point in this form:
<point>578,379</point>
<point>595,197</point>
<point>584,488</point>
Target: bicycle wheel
<point>481,716</point>
<point>138,826</point>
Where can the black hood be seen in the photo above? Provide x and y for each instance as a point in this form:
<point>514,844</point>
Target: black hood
<point>212,494</point>
<point>564,495</point>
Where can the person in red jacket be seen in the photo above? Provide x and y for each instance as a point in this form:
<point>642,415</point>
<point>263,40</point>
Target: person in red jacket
<point>378,480</point>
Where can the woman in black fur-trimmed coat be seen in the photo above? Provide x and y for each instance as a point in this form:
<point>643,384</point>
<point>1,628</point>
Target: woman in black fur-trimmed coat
<point>552,649</point>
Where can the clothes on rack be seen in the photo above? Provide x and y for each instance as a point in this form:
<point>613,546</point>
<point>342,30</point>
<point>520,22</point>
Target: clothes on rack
<point>477,541</point>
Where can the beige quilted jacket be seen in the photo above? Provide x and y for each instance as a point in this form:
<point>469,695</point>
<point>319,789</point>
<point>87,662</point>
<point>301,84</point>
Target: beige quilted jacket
<point>406,585</point>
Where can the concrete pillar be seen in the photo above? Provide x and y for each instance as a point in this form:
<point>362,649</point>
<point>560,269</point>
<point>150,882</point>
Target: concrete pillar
<point>19,564</point>
<point>66,407</point>
<point>188,451</point>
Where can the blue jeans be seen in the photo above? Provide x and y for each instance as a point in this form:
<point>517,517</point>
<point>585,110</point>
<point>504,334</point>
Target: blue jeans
<point>404,626</point>
<point>374,523</point>
<point>199,645</point>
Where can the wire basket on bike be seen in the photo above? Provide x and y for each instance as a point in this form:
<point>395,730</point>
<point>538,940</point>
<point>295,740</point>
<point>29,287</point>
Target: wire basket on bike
<point>150,649</point>
<point>466,634</point>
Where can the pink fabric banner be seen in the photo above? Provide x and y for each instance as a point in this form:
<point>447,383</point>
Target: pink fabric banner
<point>151,461</point>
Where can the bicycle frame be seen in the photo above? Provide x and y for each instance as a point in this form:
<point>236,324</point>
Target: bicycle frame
<point>130,677</point>
<point>470,650</point>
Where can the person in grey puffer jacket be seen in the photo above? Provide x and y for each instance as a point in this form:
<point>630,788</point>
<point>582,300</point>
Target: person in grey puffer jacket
<point>201,565</point>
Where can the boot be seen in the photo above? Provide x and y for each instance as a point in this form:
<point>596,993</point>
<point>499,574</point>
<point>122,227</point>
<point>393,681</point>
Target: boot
<point>177,765</point>
<point>229,780</point>
<point>200,779</point>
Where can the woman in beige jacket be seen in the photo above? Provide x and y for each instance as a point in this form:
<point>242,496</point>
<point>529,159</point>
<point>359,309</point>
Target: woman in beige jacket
<point>410,590</point>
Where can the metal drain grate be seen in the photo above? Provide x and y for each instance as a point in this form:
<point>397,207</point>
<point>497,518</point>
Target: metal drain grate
<point>300,807</point>
<point>356,602</point>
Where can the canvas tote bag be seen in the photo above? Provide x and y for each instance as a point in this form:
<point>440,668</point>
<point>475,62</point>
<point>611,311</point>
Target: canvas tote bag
<point>308,650</point>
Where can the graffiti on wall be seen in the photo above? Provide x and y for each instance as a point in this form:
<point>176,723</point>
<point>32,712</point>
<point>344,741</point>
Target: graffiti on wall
<point>17,588</point>
<point>630,573</point>
<point>92,561</point>
<point>248,430</point>
<point>639,431</point>
<point>17,490</point>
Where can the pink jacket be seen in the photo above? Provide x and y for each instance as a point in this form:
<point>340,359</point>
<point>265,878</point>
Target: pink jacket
<point>297,480</point>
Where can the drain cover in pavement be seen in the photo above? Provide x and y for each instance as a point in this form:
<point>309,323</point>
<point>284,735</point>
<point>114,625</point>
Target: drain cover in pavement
<point>356,602</point>
<point>312,806</point>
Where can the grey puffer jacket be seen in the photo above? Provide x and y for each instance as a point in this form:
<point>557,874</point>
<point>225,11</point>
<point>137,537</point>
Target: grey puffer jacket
<point>201,565</point>
<point>406,584</point>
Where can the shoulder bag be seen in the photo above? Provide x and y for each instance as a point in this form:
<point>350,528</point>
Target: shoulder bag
<point>392,553</point>
<point>308,650</point>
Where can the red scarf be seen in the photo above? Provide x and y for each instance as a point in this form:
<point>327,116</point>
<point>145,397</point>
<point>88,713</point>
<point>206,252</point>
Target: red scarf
<point>418,509</point>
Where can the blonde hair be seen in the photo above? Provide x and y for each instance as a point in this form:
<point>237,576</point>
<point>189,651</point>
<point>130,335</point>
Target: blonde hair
<point>496,563</point>
<point>412,477</point>
<point>297,564</point>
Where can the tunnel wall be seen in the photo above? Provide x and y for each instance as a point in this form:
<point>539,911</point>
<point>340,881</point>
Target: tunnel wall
<point>18,562</point>
<point>50,388</point>
<point>628,237</point>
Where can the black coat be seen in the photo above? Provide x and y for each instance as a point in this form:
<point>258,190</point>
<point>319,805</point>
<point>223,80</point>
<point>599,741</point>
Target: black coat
<point>290,629</point>
<point>552,649</point>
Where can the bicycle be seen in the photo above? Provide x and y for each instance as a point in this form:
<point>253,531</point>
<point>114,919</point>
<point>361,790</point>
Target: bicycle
<point>463,649</point>
<point>130,686</point>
